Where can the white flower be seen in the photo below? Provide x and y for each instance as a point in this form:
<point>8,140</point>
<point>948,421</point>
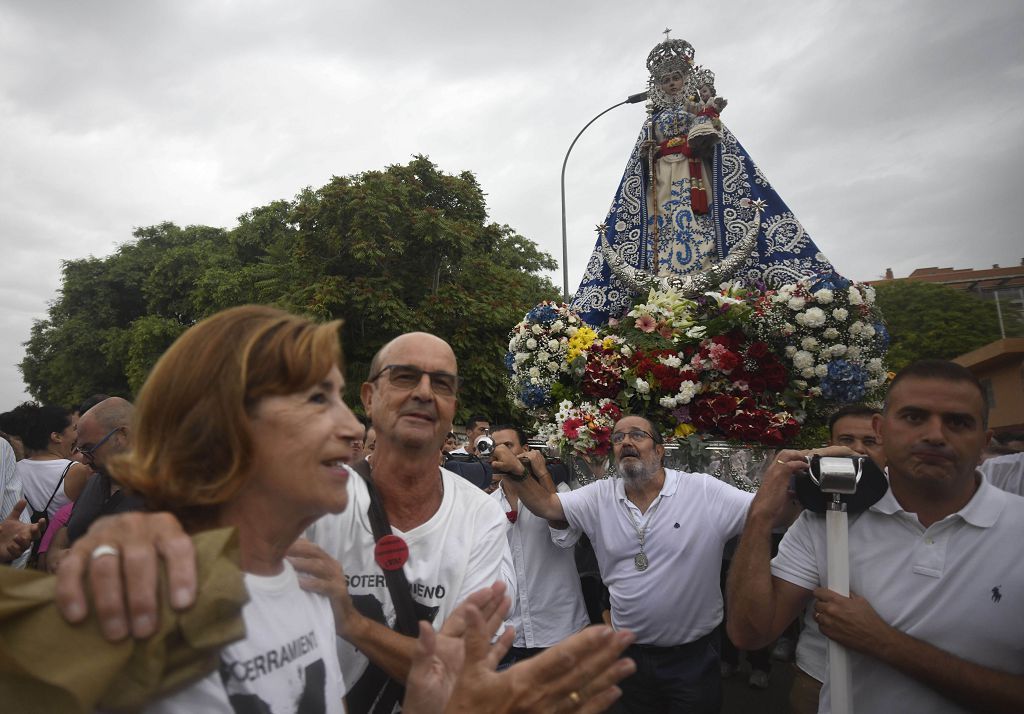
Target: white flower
<point>796,303</point>
<point>667,402</point>
<point>531,344</point>
<point>820,370</point>
<point>855,297</point>
<point>552,366</point>
<point>552,345</point>
<point>840,314</point>
<point>799,384</point>
<point>813,317</point>
<point>838,350</point>
<point>534,372</point>
<point>869,330</point>
<point>808,373</point>
<point>815,391</point>
<point>869,295</point>
<point>521,357</point>
<point>875,365</point>
<point>802,360</point>
<point>543,356</point>
<point>557,326</point>
<point>627,351</point>
<point>787,329</point>
<point>856,328</point>
<point>537,329</point>
<point>830,333</point>
<point>572,331</point>
<point>671,361</point>
<point>697,332</point>
<point>642,387</point>
<point>824,296</point>
<point>809,343</point>
<point>687,391</point>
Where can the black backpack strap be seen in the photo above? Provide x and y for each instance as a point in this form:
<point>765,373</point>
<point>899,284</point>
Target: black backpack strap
<point>36,515</point>
<point>398,584</point>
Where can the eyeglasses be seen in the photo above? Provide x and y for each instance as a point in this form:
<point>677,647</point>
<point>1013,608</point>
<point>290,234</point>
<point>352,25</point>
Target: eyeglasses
<point>634,435</point>
<point>407,376</point>
<point>88,451</point>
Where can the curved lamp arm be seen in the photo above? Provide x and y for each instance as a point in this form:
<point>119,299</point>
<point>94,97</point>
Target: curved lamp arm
<point>631,99</point>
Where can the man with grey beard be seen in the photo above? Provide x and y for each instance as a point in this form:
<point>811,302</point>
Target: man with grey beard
<point>658,535</point>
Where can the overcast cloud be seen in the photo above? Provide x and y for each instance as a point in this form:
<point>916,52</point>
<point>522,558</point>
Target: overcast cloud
<point>894,130</point>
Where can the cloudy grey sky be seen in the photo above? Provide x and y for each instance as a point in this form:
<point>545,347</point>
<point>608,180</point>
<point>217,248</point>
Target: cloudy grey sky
<point>894,129</point>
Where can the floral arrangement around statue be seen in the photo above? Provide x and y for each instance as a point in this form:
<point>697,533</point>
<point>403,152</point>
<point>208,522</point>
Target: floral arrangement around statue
<point>739,364</point>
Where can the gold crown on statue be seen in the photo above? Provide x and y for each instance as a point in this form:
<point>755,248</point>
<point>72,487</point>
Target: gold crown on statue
<point>670,56</point>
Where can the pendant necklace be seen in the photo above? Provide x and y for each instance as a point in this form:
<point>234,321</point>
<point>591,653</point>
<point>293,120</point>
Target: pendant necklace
<point>640,561</point>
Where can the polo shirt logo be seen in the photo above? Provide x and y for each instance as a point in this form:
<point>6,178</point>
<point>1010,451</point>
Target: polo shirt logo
<point>996,595</point>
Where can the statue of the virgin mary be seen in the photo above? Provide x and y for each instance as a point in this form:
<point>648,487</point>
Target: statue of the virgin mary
<point>687,197</point>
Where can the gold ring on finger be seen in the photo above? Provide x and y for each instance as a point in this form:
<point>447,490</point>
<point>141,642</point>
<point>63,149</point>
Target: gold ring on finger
<point>575,698</point>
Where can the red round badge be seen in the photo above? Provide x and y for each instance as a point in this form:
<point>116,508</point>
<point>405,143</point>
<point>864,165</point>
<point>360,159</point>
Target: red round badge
<point>391,552</point>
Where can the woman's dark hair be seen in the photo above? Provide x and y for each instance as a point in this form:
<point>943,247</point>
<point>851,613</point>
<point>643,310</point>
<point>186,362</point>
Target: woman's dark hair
<point>40,422</point>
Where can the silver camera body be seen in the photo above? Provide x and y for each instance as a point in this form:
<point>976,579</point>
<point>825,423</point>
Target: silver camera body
<point>484,446</point>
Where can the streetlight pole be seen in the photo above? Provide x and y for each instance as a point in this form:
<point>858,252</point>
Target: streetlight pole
<point>631,99</point>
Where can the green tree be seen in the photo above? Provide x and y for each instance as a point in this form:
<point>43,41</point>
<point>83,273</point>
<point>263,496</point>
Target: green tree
<point>406,248</point>
<point>932,320</point>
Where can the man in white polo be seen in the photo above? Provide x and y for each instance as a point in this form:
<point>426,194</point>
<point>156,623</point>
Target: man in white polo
<point>658,535</point>
<point>549,602</point>
<point>933,623</point>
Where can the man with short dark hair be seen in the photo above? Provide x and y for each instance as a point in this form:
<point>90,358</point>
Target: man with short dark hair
<point>476,426</point>
<point>932,563</point>
<point>852,426</point>
<point>659,536</point>
<point>549,604</point>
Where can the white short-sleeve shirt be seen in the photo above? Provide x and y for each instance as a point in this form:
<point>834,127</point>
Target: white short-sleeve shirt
<point>287,662</point>
<point>958,585</point>
<point>677,599</point>
<point>1005,472</point>
<point>460,549</point>
<point>549,601</point>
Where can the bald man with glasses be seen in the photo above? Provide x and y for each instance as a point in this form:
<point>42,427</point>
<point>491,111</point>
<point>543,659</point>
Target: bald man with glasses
<point>659,536</point>
<point>451,535</point>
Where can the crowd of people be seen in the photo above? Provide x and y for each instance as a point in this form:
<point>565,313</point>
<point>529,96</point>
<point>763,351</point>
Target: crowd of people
<point>390,568</point>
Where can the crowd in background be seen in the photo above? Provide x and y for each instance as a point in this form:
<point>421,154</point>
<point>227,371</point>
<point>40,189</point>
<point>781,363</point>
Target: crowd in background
<point>425,521</point>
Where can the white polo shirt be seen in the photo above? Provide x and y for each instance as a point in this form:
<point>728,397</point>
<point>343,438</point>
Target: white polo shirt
<point>1005,472</point>
<point>677,599</point>
<point>958,585</point>
<point>548,605</point>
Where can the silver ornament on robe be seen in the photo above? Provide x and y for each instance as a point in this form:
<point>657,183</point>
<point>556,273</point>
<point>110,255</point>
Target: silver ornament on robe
<point>640,281</point>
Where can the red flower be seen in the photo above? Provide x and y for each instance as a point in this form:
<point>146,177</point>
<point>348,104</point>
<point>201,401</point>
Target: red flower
<point>757,349</point>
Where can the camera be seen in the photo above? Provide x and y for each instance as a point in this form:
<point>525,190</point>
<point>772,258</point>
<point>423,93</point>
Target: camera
<point>849,483</point>
<point>484,446</point>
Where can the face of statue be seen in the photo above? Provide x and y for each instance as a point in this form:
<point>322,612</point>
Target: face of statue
<point>672,83</point>
<point>706,92</point>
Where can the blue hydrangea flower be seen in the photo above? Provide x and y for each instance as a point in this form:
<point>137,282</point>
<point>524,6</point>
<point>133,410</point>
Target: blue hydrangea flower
<point>844,382</point>
<point>830,281</point>
<point>510,361</point>
<point>542,313</point>
<point>534,395</point>
<point>882,335</point>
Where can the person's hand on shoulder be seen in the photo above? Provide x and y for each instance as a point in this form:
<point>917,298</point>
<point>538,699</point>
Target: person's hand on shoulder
<point>118,557</point>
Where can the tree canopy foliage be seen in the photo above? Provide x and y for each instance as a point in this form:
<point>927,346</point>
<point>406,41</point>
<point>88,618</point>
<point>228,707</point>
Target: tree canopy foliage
<point>407,248</point>
<point>936,321</point>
